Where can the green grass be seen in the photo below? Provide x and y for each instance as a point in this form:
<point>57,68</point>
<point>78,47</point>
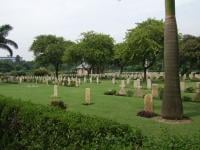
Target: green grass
<point>120,109</point>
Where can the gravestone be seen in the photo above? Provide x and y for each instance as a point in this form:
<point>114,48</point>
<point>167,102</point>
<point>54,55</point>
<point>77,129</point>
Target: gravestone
<point>97,80</point>
<point>55,91</point>
<point>155,90</point>
<point>87,96</point>
<point>138,83</point>
<point>198,87</point>
<point>138,91</point>
<point>149,84</point>
<point>148,103</point>
<point>85,79</point>
<point>122,90</point>
<point>20,80</point>
<point>90,79</point>
<point>68,81</point>
<point>113,80</point>
<point>128,81</point>
<point>135,85</point>
<point>182,86</point>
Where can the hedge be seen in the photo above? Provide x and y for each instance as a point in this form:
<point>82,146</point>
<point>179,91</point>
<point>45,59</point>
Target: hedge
<point>24,125</point>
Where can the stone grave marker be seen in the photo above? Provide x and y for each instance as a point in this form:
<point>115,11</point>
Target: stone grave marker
<point>87,96</point>
<point>122,90</point>
<point>149,83</point>
<point>148,103</point>
<point>155,90</point>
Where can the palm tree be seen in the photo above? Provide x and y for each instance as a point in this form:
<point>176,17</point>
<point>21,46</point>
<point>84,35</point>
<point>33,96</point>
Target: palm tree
<point>172,105</point>
<point>4,42</point>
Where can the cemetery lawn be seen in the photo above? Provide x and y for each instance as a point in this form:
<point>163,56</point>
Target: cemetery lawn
<point>121,109</point>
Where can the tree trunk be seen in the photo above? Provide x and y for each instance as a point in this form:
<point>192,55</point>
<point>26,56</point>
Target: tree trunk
<point>145,74</point>
<point>57,69</point>
<point>172,105</point>
<point>121,69</point>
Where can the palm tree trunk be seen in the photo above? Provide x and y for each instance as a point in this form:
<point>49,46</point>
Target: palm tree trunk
<point>172,105</point>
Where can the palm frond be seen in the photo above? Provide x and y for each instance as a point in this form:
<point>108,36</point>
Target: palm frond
<point>12,43</point>
<point>6,47</point>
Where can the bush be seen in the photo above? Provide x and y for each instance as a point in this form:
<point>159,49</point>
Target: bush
<point>190,90</point>
<point>41,72</point>
<point>186,99</point>
<point>110,92</point>
<point>24,125</point>
<point>60,104</point>
<point>129,93</point>
<point>197,97</point>
<point>161,92</point>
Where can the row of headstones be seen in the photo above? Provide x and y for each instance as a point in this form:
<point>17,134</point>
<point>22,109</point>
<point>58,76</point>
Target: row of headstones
<point>183,86</point>
<point>60,81</point>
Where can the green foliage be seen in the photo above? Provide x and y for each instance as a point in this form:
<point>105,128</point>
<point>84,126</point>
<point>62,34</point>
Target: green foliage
<point>96,49</point>
<point>161,93</point>
<point>110,92</point>
<point>59,104</point>
<point>197,97</point>
<point>49,49</point>
<point>41,72</point>
<point>25,125</point>
<point>129,93</point>
<point>190,90</point>
<point>4,42</point>
<point>189,53</point>
<point>186,99</point>
<point>146,42</point>
<point>28,126</point>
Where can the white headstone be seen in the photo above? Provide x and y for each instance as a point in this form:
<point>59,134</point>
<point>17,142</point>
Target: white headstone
<point>55,91</point>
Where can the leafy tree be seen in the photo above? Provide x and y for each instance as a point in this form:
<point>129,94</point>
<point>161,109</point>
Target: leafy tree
<point>172,105</point>
<point>49,49</point>
<point>145,43</point>
<point>4,42</point>
<point>189,54</point>
<point>95,49</point>
<point>121,57</point>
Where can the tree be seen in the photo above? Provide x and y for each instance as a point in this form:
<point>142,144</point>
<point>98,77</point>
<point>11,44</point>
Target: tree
<point>172,104</point>
<point>189,54</point>
<point>145,43</point>
<point>120,55</point>
<point>95,49</point>
<point>4,42</point>
<point>49,49</point>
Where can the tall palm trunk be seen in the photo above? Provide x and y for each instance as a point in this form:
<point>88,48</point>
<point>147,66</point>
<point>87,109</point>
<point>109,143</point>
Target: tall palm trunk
<point>172,105</point>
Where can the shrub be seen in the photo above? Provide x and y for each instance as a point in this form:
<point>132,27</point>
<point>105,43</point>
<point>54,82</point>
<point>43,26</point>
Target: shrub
<point>60,104</point>
<point>24,125</point>
<point>129,93</point>
<point>161,92</point>
<point>197,97</point>
<point>110,92</point>
<point>41,72</point>
<point>186,99</point>
<point>190,90</point>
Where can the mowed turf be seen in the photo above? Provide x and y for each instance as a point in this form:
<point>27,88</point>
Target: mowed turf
<point>121,109</point>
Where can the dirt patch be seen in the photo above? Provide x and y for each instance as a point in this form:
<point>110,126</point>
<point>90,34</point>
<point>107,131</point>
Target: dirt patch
<point>183,121</point>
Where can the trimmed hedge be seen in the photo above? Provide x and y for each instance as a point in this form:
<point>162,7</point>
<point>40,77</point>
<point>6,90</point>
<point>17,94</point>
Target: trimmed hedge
<point>24,125</point>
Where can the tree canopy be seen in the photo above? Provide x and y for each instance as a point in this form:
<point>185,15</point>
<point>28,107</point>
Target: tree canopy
<point>146,42</point>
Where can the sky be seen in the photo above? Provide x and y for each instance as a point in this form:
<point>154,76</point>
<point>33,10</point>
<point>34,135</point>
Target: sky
<point>69,18</point>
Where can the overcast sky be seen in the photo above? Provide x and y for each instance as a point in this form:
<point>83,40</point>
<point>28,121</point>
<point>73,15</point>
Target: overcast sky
<point>68,18</point>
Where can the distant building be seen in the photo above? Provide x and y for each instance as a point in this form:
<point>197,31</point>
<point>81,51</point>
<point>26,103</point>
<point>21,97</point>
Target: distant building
<point>13,59</point>
<point>82,69</point>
